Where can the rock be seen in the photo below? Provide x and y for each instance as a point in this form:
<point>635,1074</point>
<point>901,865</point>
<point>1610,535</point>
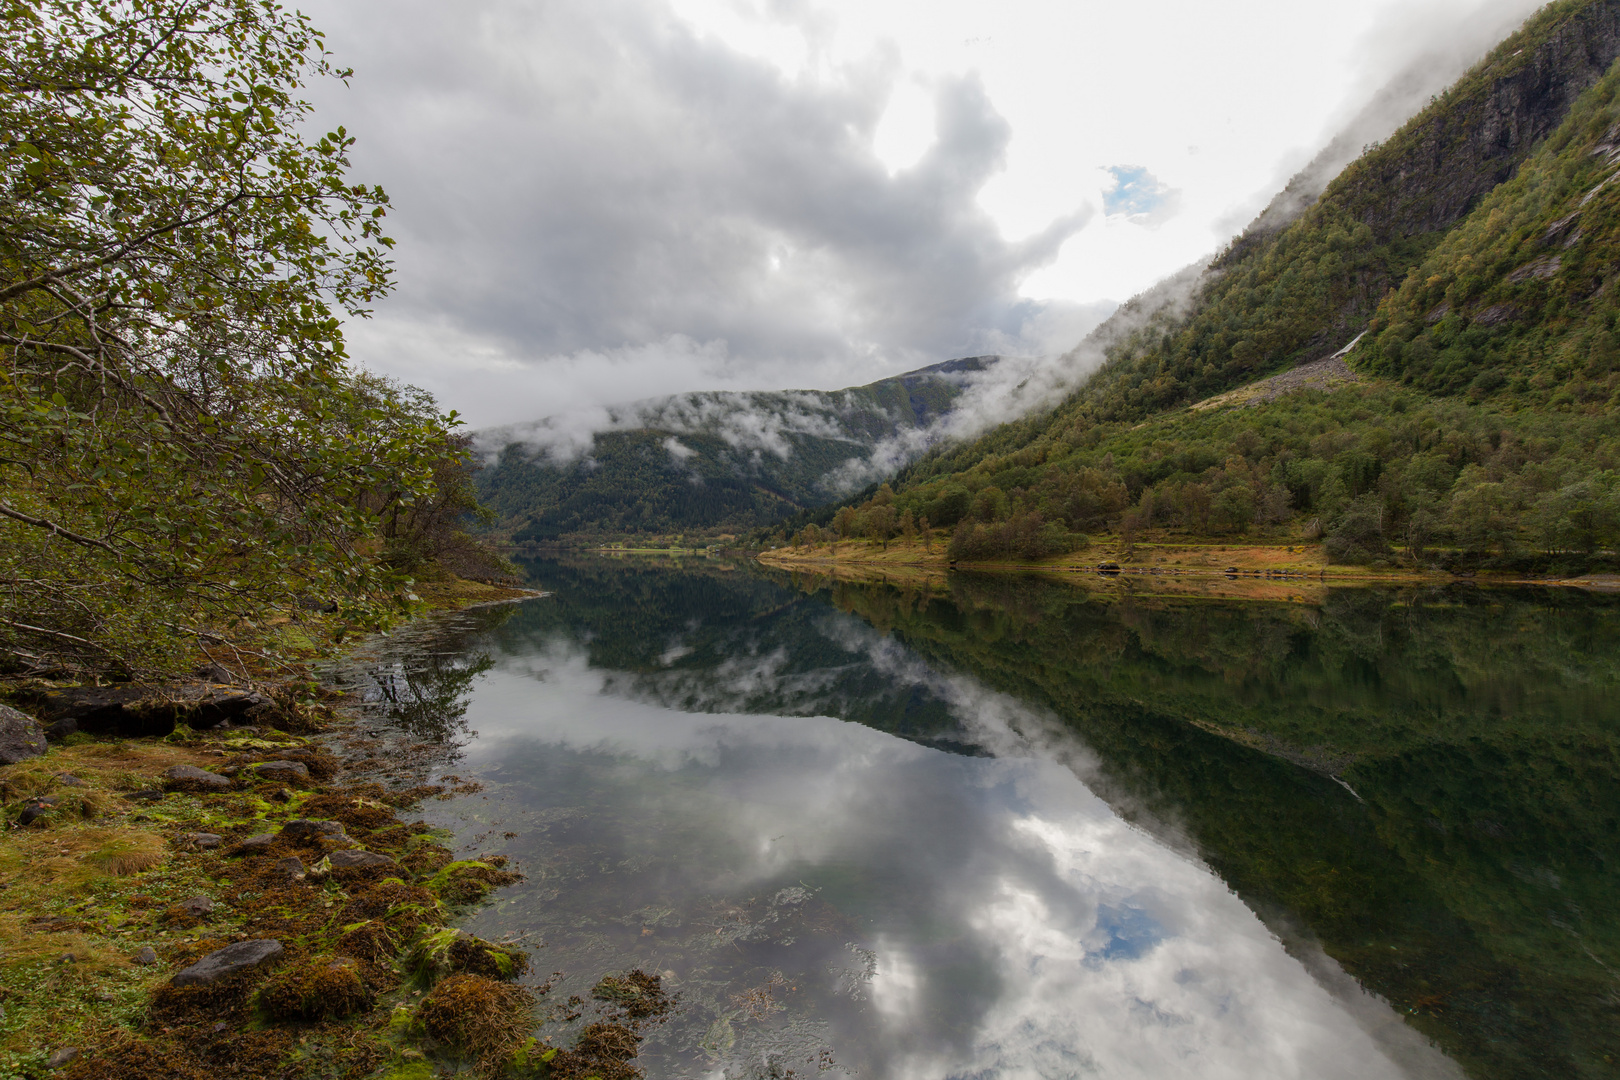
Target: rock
<point>68,780</point>
<point>190,775</point>
<point>57,730</point>
<point>203,840</point>
<point>257,844</point>
<point>21,736</point>
<point>62,1057</point>
<point>146,795</point>
<point>292,866</point>
<point>200,906</point>
<point>100,709</point>
<point>34,809</point>
<point>145,956</point>
<point>305,830</point>
<point>279,795</point>
<point>283,771</point>
<point>134,710</point>
<point>358,860</point>
<point>231,960</point>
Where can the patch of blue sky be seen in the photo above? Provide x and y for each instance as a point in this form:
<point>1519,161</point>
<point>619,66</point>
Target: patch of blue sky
<point>1127,933</point>
<point>1137,193</point>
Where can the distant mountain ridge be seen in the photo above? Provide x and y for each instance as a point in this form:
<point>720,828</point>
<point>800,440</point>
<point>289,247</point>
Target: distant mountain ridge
<point>713,460</point>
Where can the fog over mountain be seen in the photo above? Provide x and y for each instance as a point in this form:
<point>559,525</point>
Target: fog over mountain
<point>601,203</point>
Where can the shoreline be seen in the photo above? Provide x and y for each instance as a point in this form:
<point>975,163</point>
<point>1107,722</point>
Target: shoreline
<point>249,900</point>
<point>1173,566</point>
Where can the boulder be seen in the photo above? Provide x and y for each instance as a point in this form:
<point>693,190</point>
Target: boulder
<point>34,809</point>
<point>305,830</point>
<point>145,795</point>
<point>358,860</point>
<point>257,843</point>
<point>283,771</point>
<point>200,906</point>
<point>137,711</point>
<point>145,956</point>
<point>21,736</point>
<point>231,960</point>
<point>191,776</point>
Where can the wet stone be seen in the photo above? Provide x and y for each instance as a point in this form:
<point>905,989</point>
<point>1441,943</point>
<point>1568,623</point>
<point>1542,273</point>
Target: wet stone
<point>282,770</point>
<point>192,774</point>
<point>231,960</point>
<point>145,956</point>
<point>358,860</point>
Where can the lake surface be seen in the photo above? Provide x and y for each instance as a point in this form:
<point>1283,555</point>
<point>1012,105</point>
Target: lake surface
<point>1022,829</point>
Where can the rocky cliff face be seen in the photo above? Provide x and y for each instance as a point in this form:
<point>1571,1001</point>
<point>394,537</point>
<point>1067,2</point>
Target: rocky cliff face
<point>1453,154</point>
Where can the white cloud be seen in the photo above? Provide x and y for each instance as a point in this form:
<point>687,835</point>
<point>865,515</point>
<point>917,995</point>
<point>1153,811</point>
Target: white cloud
<point>604,202</point>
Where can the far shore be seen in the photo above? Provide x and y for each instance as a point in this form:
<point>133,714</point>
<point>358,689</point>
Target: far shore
<point>1278,570</point>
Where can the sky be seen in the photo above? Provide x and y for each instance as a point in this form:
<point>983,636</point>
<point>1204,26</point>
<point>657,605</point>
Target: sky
<point>605,201</point>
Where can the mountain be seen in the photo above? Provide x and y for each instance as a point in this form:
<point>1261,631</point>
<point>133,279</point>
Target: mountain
<point>1469,259</point>
<point>713,462</point>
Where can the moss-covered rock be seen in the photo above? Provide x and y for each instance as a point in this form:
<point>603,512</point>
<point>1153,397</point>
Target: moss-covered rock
<point>449,951</point>
<point>469,881</point>
<point>320,988</point>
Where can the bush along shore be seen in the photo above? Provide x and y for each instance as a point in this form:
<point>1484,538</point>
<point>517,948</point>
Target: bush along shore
<point>247,899</point>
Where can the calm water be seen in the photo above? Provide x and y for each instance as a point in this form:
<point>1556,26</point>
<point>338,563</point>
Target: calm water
<point>1016,830</point>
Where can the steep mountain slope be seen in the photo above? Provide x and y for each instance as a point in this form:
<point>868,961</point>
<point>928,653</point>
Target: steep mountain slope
<point>1476,244</point>
<point>712,461</point>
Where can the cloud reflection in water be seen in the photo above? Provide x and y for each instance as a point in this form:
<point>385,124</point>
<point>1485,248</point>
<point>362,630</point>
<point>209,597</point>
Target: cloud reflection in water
<point>1019,926</point>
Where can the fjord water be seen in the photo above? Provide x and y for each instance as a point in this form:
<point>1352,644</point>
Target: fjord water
<point>1014,828</point>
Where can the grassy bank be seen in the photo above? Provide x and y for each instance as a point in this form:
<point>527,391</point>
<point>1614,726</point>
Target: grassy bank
<point>129,860</point>
<point>1280,569</point>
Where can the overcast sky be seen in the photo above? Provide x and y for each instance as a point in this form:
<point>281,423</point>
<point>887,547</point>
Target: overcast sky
<point>599,201</point>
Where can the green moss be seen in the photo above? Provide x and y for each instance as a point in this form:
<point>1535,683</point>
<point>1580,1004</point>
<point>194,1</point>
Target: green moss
<point>469,881</point>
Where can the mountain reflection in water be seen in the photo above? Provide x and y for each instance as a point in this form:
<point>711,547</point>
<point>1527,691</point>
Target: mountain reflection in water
<point>1113,837</point>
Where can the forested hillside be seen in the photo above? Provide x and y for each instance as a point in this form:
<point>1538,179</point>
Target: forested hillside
<point>1475,423</point>
<point>706,462</point>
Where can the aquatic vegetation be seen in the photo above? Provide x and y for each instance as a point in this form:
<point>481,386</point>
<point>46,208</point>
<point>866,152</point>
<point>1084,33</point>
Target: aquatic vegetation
<point>488,1019</point>
<point>447,951</point>
<point>469,881</point>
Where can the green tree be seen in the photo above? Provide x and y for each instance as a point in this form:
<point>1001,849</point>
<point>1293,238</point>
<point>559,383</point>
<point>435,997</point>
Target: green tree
<point>183,448</point>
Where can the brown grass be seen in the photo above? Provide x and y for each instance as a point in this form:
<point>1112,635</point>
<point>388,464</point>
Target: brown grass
<point>319,988</point>
<point>487,1019</point>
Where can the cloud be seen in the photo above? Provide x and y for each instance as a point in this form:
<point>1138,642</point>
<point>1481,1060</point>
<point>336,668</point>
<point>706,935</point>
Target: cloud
<point>1140,196</point>
<point>1017,386</point>
<point>589,185</point>
<point>1412,53</point>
